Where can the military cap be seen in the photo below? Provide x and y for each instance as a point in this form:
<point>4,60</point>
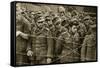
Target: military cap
<point>32,12</point>
<point>38,12</point>
<point>41,19</point>
<point>73,19</point>
<point>87,18</point>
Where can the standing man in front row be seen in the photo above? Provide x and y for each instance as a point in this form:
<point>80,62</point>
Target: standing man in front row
<point>88,50</point>
<point>22,31</point>
<point>40,47</point>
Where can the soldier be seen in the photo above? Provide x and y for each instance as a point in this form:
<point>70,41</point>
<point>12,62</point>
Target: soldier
<point>57,24</point>
<point>76,45</point>
<point>38,15</point>
<point>63,46</point>
<point>72,43</point>
<point>87,21</point>
<point>82,32</point>
<point>50,39</point>
<point>62,15</point>
<point>22,30</point>
<point>76,40</point>
<point>29,46</point>
<point>61,34</point>
<point>40,44</point>
<point>88,50</point>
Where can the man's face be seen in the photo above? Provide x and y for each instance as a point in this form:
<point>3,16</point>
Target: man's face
<point>32,15</point>
<point>39,14</point>
<point>87,21</point>
<point>58,25</point>
<point>61,13</point>
<point>48,18</point>
<point>74,29</point>
<point>40,24</point>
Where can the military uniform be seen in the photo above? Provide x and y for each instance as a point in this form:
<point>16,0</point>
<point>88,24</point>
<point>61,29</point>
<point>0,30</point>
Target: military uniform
<point>50,39</point>
<point>88,50</point>
<point>87,21</point>
<point>70,48</point>
<point>40,49</point>
<point>62,46</point>
<point>76,47</point>
<point>75,40</point>
<point>22,24</point>
<point>66,53</point>
<point>41,44</point>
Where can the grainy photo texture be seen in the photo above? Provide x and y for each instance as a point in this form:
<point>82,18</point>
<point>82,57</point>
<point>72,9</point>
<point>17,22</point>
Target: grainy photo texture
<point>55,34</point>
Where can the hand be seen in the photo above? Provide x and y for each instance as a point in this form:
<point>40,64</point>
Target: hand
<point>18,33</point>
<point>29,53</point>
<point>48,60</point>
<point>23,35</point>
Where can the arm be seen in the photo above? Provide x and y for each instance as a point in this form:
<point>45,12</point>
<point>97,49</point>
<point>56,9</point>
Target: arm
<point>83,49</point>
<point>58,46</point>
<point>23,35</point>
<point>18,33</point>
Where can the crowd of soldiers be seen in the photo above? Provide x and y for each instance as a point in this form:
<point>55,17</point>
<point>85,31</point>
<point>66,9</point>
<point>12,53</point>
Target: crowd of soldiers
<point>49,37</point>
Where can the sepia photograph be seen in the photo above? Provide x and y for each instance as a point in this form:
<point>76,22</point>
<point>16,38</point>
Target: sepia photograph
<point>55,33</point>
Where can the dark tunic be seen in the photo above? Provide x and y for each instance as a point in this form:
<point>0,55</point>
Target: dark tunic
<point>39,46</point>
<point>76,47</point>
<point>88,50</point>
<point>66,54</point>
